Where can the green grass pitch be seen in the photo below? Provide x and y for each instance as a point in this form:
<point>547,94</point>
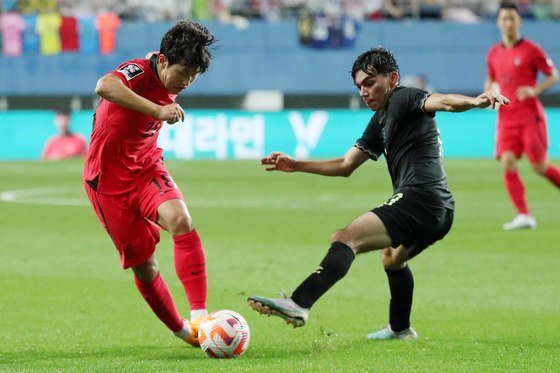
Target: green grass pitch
<point>485,300</point>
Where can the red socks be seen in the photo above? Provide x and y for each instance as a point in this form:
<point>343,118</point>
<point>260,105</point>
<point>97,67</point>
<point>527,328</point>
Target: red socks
<point>552,173</point>
<point>190,265</point>
<point>158,297</point>
<point>516,191</point>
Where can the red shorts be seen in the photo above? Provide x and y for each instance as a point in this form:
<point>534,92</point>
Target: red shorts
<point>128,217</point>
<point>530,139</point>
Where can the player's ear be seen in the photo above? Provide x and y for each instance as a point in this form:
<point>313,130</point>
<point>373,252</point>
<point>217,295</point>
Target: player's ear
<point>393,79</point>
<point>162,60</point>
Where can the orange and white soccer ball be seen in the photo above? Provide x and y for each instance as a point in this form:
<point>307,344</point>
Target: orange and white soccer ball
<point>224,334</point>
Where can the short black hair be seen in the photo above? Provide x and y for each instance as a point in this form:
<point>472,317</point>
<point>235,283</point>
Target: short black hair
<point>187,43</point>
<point>508,5</point>
<point>375,61</point>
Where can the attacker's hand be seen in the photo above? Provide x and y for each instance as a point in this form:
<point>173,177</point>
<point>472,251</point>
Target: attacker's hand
<point>171,113</point>
<point>279,162</point>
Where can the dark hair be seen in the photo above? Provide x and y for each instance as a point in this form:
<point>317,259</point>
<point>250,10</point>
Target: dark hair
<point>187,44</point>
<point>508,5</point>
<point>375,61</point>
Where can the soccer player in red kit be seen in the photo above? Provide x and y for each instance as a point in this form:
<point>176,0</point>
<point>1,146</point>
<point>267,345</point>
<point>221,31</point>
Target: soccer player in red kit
<point>513,65</point>
<point>126,180</point>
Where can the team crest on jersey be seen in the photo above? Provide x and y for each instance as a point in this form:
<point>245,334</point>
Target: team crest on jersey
<point>517,61</point>
<point>130,70</point>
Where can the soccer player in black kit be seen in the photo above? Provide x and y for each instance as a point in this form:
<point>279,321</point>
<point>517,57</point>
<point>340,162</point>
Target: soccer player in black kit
<point>419,212</point>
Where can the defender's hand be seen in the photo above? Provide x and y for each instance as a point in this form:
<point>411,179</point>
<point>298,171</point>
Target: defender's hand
<point>279,162</point>
<point>171,113</point>
<point>490,98</point>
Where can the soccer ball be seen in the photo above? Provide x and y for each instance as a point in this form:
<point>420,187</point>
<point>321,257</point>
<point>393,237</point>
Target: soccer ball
<point>224,334</point>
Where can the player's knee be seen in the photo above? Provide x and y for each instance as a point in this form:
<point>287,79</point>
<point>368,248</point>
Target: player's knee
<point>179,224</point>
<point>509,165</point>
<point>390,260</point>
<point>340,236</point>
<point>146,271</point>
<point>539,168</point>
<point>509,162</point>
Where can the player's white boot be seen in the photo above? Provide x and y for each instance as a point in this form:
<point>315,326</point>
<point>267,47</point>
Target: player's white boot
<point>521,221</point>
<point>284,308</point>
<point>387,333</point>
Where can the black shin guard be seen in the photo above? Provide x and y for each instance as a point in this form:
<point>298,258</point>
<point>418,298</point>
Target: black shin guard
<point>401,284</point>
<point>334,266</point>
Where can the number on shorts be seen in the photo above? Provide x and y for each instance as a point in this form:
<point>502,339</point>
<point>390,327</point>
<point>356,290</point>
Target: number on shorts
<point>394,199</point>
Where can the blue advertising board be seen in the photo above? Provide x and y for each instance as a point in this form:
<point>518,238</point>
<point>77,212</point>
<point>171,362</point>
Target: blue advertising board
<point>235,134</point>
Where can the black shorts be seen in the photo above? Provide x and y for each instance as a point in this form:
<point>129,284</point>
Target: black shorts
<point>414,220</point>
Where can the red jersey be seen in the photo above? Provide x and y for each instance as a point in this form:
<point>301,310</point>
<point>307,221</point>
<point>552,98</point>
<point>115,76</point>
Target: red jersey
<point>512,68</point>
<point>60,147</point>
<point>124,141</point>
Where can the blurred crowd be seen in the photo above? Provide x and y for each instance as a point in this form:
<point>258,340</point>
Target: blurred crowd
<point>240,11</point>
<point>51,27</point>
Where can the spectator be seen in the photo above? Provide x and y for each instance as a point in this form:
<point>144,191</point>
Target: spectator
<point>65,144</point>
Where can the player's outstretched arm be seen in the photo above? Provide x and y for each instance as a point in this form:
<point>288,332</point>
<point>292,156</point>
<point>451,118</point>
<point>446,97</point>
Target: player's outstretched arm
<point>112,89</point>
<point>343,166</point>
<point>457,103</point>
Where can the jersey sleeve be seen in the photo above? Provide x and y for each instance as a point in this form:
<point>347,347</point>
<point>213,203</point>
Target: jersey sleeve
<point>132,74</point>
<point>417,98</point>
<point>370,142</point>
<point>542,61</point>
<point>408,101</point>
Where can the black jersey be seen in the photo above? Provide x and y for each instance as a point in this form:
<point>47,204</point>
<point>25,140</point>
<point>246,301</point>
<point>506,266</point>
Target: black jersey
<point>409,139</point>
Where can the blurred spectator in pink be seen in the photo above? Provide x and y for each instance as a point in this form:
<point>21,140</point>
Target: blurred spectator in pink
<point>65,144</point>
<point>12,26</point>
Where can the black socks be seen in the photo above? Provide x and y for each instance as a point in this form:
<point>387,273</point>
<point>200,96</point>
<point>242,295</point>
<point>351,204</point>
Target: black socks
<point>401,284</point>
<point>334,266</point>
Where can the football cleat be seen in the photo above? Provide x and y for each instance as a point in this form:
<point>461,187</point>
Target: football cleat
<point>284,308</point>
<point>387,334</point>
<point>521,221</point>
<point>189,333</point>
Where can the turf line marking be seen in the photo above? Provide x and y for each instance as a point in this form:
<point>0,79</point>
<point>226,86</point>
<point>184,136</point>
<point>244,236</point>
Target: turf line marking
<point>42,196</point>
<point>54,196</point>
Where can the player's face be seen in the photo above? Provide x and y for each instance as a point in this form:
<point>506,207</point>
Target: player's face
<point>62,122</point>
<point>509,23</point>
<point>176,77</point>
<point>375,89</point>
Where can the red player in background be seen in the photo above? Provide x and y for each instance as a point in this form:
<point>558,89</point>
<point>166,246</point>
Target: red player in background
<point>514,65</point>
<point>126,180</point>
<point>65,144</point>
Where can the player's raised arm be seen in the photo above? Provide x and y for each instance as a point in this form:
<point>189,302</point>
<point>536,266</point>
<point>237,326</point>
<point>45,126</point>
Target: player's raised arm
<point>457,103</point>
<point>343,166</point>
<point>111,88</point>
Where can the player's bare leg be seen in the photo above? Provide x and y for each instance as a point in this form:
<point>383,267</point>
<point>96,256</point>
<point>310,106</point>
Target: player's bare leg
<point>548,170</point>
<point>365,233</point>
